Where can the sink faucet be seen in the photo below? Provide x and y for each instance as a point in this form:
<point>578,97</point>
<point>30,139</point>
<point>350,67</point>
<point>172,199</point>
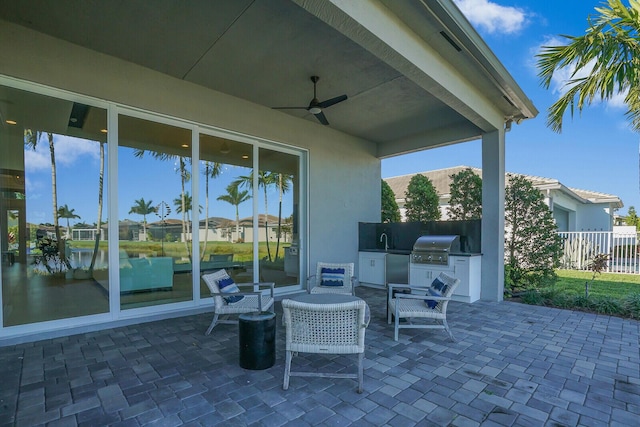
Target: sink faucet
<point>386,243</point>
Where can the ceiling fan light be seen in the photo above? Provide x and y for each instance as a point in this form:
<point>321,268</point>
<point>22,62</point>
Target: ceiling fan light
<point>315,110</point>
<point>225,148</point>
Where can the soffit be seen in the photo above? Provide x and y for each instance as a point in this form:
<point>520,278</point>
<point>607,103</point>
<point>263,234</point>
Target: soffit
<point>265,51</point>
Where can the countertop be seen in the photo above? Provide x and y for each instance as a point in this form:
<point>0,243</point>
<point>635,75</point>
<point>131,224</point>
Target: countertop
<point>408,252</point>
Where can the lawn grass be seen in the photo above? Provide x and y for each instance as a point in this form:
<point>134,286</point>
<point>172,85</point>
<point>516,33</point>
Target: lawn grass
<point>612,285</point>
<point>609,293</point>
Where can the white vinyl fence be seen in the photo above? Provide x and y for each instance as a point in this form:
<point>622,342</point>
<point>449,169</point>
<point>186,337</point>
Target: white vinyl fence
<point>580,247</point>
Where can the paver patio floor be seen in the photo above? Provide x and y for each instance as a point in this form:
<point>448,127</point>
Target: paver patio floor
<point>513,364</point>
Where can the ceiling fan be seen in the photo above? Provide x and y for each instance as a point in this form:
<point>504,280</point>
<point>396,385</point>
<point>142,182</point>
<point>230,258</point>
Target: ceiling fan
<point>315,107</point>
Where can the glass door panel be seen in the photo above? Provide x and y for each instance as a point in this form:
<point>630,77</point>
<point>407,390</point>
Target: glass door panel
<point>278,197</point>
<point>52,191</point>
<point>155,207</point>
<point>226,222</point>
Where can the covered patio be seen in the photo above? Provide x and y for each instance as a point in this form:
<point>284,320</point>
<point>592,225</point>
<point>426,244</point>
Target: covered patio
<point>512,365</point>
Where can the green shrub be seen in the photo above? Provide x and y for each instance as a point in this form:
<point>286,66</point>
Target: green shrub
<point>632,305</point>
<point>607,306</point>
<point>533,297</point>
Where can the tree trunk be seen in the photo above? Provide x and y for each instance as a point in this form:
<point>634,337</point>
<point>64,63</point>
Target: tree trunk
<point>96,246</point>
<point>54,198</point>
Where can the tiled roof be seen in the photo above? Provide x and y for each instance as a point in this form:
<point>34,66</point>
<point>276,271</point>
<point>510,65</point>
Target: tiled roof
<point>441,179</point>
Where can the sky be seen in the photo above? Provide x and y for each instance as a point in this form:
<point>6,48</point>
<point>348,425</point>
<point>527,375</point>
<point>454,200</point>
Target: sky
<point>596,151</point>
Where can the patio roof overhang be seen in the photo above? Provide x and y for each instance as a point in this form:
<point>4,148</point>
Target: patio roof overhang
<point>416,73</point>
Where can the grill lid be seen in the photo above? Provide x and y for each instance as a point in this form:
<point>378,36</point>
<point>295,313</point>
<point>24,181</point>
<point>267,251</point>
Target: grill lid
<point>443,244</point>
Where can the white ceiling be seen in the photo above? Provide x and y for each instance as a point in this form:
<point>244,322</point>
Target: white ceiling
<point>265,51</point>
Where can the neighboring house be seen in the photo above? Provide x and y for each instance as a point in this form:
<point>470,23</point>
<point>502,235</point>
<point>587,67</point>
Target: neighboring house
<point>196,82</point>
<point>573,209</point>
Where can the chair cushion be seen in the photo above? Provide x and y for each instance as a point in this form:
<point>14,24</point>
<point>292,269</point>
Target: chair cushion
<point>332,277</point>
<point>434,293</point>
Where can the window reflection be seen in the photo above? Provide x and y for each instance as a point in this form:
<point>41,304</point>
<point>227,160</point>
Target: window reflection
<point>52,193</point>
<point>155,203</point>
<point>277,182</point>
<point>226,240</point>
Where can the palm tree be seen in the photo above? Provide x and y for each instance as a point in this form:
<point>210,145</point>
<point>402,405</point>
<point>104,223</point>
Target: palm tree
<point>65,212</point>
<point>234,197</point>
<point>265,179</point>
<point>184,205</point>
<point>609,52</point>
<point>31,139</point>
<point>185,176</point>
<point>100,193</point>
<point>283,186</point>
<point>141,207</point>
<point>211,170</point>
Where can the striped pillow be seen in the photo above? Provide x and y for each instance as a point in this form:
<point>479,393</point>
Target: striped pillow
<point>228,286</point>
<point>431,303</point>
<point>332,276</point>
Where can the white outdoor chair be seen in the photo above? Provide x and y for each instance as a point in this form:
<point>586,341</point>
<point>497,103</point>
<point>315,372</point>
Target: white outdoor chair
<point>412,305</point>
<point>319,283</point>
<point>324,329</point>
<point>251,301</point>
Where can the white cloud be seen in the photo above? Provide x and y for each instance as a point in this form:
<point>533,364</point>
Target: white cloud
<point>492,17</point>
<point>68,150</point>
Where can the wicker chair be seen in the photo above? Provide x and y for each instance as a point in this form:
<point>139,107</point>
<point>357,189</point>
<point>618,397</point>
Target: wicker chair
<point>349,281</point>
<point>412,305</point>
<point>324,329</point>
<point>252,300</point>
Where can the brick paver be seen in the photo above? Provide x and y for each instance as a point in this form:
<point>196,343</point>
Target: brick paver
<point>513,365</point>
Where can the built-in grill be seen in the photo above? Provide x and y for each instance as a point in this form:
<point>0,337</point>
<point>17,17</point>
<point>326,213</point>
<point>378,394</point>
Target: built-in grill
<point>434,249</point>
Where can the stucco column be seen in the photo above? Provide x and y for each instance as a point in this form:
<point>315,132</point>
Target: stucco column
<point>492,288</point>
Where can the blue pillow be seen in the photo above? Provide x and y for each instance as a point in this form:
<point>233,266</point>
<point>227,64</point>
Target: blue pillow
<point>439,285</point>
<point>434,293</point>
<point>228,286</point>
<point>332,276</point>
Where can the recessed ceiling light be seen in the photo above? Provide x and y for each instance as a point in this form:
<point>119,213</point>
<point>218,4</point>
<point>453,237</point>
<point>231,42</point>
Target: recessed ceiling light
<point>185,145</point>
<point>73,120</point>
<point>103,130</point>
<point>245,156</point>
<point>11,122</point>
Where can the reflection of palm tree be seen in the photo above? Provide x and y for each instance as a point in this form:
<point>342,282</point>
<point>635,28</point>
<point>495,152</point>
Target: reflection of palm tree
<point>184,205</point>
<point>65,212</point>
<point>235,197</point>
<point>185,176</point>
<point>100,193</point>
<point>31,139</point>
<point>143,208</point>
<point>283,186</point>
<point>211,170</point>
<point>265,179</point>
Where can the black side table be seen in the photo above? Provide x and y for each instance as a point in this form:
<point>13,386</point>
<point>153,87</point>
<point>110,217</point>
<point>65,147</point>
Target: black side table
<point>257,335</point>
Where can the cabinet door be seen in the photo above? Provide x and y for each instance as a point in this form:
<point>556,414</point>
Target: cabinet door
<point>372,269</point>
<point>461,271</point>
<point>420,275</point>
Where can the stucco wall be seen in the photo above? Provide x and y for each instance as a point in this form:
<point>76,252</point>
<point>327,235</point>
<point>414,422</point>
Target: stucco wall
<point>344,174</point>
<point>584,217</point>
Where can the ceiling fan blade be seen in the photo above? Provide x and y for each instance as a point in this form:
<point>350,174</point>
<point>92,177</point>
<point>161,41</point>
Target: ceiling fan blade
<point>289,108</point>
<point>321,118</point>
<point>332,101</point>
